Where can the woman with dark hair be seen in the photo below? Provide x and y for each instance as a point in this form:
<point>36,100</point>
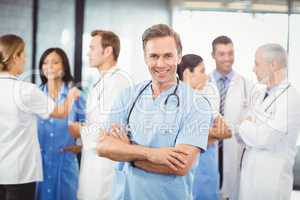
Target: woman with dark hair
<point>191,70</point>
<point>59,160</point>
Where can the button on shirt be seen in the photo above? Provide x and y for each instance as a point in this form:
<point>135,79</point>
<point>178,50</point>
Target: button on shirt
<point>154,124</point>
<point>21,103</point>
<point>60,168</point>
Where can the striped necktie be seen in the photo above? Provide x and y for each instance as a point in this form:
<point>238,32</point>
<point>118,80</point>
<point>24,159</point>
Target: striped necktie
<point>222,90</point>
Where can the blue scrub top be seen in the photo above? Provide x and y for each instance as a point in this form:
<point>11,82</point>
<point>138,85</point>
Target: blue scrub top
<point>206,181</point>
<point>155,125</point>
<point>60,169</point>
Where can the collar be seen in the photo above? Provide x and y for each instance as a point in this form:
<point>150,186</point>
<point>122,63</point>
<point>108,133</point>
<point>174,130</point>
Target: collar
<point>63,92</point>
<point>165,92</point>
<point>7,75</point>
<point>106,73</point>
<point>112,70</point>
<point>217,75</point>
<point>282,85</point>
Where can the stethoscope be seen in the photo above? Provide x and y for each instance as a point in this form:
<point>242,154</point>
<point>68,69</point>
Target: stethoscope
<point>245,102</point>
<point>174,93</point>
<point>275,99</point>
<point>266,109</point>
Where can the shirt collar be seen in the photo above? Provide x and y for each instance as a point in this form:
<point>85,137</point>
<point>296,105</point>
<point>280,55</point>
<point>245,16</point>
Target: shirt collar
<point>63,92</point>
<point>7,75</point>
<point>104,74</point>
<point>217,75</point>
<point>148,90</point>
<point>112,70</point>
<point>282,85</point>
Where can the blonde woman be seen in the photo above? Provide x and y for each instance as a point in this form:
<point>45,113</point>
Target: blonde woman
<point>21,104</point>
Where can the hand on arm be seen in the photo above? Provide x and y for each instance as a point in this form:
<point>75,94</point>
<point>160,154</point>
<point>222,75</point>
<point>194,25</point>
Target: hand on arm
<point>73,149</point>
<point>74,129</point>
<point>63,110</point>
<point>180,166</point>
<point>115,149</point>
<point>120,133</point>
<point>219,130</point>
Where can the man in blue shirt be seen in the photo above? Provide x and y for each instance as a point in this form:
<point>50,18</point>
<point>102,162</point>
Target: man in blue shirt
<point>167,127</point>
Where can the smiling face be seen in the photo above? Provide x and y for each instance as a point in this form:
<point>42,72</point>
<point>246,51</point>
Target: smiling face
<point>53,66</point>
<point>162,59</point>
<point>224,57</point>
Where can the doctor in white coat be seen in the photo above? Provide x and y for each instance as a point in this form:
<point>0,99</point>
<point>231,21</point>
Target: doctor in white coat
<point>234,92</point>
<point>270,131</point>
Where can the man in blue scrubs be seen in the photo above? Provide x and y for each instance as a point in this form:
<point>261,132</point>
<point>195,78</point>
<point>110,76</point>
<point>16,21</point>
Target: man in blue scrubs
<point>168,127</point>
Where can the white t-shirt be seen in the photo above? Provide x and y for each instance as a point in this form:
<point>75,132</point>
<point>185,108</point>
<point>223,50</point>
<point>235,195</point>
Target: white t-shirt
<point>20,104</point>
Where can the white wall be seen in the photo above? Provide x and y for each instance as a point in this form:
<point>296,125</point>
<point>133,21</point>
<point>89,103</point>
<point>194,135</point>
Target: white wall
<point>15,18</point>
<point>198,29</point>
<point>248,31</point>
<point>128,19</point>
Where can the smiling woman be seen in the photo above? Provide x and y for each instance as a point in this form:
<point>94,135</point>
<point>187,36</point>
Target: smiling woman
<point>60,166</point>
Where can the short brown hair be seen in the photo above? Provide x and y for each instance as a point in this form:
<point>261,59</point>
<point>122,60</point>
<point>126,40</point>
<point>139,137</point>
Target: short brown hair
<point>10,45</point>
<point>109,39</point>
<point>161,30</point>
<point>221,40</point>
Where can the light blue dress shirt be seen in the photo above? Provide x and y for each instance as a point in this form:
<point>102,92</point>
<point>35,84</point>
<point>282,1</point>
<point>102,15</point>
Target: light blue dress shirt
<point>60,169</point>
<point>154,124</point>
<point>217,77</point>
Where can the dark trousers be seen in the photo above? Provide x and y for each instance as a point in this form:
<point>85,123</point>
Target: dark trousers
<point>17,192</point>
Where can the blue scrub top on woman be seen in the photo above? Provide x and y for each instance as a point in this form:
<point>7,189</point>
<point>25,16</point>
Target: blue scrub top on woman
<point>60,168</point>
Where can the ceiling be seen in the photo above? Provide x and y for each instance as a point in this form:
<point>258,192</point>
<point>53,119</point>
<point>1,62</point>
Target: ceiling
<point>254,6</point>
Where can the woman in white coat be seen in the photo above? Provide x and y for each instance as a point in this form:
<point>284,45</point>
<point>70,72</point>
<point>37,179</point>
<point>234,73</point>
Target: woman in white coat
<point>21,103</point>
<point>270,131</point>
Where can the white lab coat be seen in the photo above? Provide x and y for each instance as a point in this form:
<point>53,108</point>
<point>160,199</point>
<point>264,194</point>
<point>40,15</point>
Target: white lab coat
<point>236,104</point>
<point>96,173</point>
<point>21,104</point>
<point>270,137</point>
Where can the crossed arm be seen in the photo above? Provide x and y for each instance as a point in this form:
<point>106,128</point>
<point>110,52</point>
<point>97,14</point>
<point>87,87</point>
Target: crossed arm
<point>176,160</point>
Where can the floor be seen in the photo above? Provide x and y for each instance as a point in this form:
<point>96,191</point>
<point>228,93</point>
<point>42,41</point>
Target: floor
<point>295,195</point>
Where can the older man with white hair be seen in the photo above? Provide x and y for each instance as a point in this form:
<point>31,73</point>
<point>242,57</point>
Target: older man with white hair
<point>271,130</point>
